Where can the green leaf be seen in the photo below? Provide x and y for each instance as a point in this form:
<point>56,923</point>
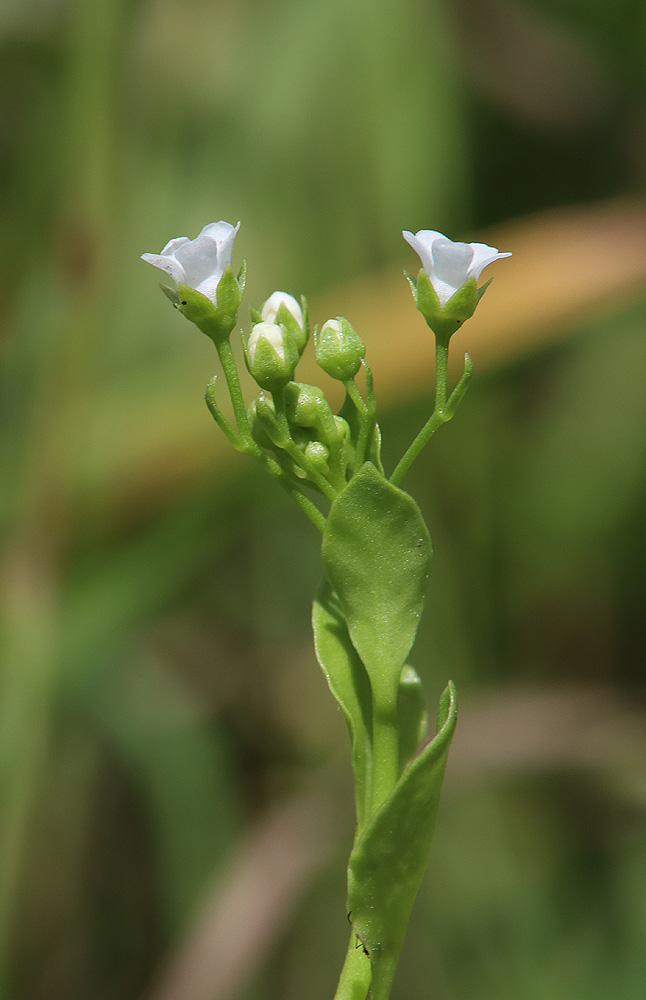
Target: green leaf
<point>388,860</point>
<point>412,715</point>
<point>376,552</point>
<point>350,686</point>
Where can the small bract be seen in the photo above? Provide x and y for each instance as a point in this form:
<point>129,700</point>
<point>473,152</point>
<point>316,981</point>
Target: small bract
<point>198,263</point>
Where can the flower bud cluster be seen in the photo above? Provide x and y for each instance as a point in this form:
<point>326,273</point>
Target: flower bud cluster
<point>292,420</point>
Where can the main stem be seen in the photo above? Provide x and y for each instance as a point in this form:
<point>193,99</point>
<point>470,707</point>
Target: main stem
<point>354,981</point>
<point>385,747</point>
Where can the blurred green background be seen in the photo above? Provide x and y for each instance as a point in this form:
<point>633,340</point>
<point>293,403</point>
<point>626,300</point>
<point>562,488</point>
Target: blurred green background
<point>175,809</point>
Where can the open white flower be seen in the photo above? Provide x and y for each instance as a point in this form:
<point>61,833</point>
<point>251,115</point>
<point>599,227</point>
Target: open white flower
<point>449,265</point>
<point>198,263</point>
<point>270,308</point>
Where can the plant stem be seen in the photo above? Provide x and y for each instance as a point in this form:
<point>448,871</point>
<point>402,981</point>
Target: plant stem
<point>385,747</point>
<point>303,502</point>
<point>442,412</point>
<point>354,981</point>
<point>227,360</point>
<point>295,453</point>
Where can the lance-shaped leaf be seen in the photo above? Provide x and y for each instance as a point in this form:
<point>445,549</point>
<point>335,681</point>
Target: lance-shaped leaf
<point>388,860</point>
<point>350,686</point>
<point>376,552</point>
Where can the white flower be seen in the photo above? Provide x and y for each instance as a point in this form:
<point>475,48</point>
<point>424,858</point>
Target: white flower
<point>270,308</point>
<point>449,265</point>
<point>198,263</point>
<point>270,332</point>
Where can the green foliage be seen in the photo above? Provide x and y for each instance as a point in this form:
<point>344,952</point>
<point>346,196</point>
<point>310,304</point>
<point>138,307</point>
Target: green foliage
<point>349,684</point>
<point>389,857</point>
<point>376,553</point>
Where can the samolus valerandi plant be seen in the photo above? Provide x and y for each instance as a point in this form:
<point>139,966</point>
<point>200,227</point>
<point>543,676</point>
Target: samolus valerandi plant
<point>375,550</point>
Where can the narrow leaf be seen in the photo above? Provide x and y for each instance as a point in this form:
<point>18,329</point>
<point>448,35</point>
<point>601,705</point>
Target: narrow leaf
<point>350,686</point>
<point>388,860</point>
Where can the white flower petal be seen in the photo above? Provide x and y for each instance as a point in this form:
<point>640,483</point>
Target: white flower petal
<point>422,243</point>
<point>450,267</point>
<point>199,258</point>
<point>172,245</point>
<point>172,267</point>
<point>223,234</point>
<point>483,255</point>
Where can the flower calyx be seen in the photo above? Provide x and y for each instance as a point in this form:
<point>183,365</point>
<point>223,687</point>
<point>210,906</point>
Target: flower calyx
<point>204,286</point>
<point>446,291</point>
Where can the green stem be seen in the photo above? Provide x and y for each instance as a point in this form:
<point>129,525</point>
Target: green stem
<point>227,360</point>
<point>218,416</point>
<point>364,424</point>
<point>303,502</point>
<point>385,747</point>
<point>294,452</point>
<point>354,981</point>
<point>442,412</point>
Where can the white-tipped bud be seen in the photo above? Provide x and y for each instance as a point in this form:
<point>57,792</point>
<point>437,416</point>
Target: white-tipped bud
<point>271,307</point>
<point>271,355</point>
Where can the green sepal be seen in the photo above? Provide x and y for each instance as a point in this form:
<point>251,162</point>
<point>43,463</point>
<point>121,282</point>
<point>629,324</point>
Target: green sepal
<point>171,293</point>
<point>229,294</point>
<point>388,860</point>
<point>483,288</point>
<point>285,318</point>
<point>216,322</point>
<point>411,714</point>
<point>241,277</point>
<point>376,552</point>
<point>462,304</point>
<point>256,315</point>
<point>350,686</point>
<point>445,320</point>
<point>413,284</point>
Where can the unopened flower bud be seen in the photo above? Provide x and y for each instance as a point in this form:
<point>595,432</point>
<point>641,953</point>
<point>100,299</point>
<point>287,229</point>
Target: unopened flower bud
<point>283,309</point>
<point>318,455</point>
<point>339,349</point>
<point>306,405</point>
<point>271,355</point>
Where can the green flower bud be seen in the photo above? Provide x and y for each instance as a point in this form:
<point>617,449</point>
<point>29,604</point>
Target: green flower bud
<point>339,349</point>
<point>264,425</point>
<point>318,455</point>
<point>306,405</point>
<point>271,355</point>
